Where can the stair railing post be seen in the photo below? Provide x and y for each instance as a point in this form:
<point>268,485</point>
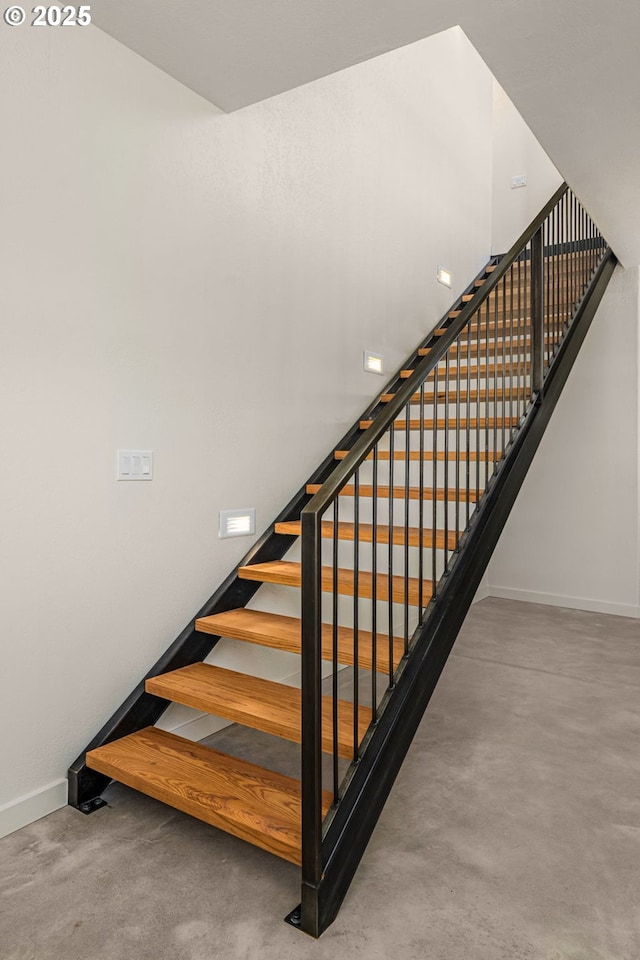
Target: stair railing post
<point>537,314</point>
<point>311,720</point>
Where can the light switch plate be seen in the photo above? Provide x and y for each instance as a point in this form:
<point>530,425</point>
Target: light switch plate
<point>135,465</point>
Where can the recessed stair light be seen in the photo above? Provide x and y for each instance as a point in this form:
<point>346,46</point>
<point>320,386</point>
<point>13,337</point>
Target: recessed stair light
<point>237,523</point>
<point>444,276</point>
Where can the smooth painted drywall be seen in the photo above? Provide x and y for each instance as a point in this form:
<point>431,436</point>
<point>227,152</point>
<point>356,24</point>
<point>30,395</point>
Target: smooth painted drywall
<point>572,538</point>
<point>202,285</point>
<point>516,152</point>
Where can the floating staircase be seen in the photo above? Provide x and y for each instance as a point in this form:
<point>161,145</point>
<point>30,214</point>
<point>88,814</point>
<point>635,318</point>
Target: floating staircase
<point>396,528</point>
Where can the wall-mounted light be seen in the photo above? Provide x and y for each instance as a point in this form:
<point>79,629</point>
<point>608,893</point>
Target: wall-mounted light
<point>444,276</point>
<point>373,362</point>
<point>237,523</point>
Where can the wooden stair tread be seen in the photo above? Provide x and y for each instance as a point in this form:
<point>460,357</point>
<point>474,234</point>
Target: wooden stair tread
<point>274,708</point>
<point>243,799</point>
<point>346,531</point>
<point>285,633</point>
<point>463,396</point>
<point>457,372</point>
<point>366,490</point>
<point>473,423</point>
<point>463,455</point>
<point>289,574</point>
<point>495,345</point>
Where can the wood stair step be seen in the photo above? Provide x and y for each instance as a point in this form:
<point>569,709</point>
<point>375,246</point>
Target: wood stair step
<point>285,633</point>
<point>274,708</point>
<point>463,455</point>
<point>484,347</point>
<point>462,396</point>
<point>501,325</point>
<point>511,366</point>
<point>473,423</point>
<point>289,574</point>
<point>346,531</point>
<point>366,490</point>
<point>243,799</point>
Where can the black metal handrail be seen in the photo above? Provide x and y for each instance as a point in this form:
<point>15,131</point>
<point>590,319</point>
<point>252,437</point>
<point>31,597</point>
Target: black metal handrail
<point>527,303</point>
<point>365,444</point>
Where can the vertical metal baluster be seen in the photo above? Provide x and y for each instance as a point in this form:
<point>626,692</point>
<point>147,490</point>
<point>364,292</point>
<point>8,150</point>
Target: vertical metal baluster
<point>434,487</point>
<point>569,255</point>
<point>503,378</point>
<point>519,337</point>
<point>558,274</point>
<point>574,233</point>
<point>526,292</point>
<point>496,381</point>
<point>551,266</point>
<point>585,249</point>
<point>374,587</point>
<point>536,309</point>
<point>457,461</point>
<point>516,319</point>
<point>334,655</point>
<point>547,300</point>
<point>521,344</point>
<point>356,611</point>
<point>528,327</point>
<point>392,430</point>
<point>560,268</point>
<point>561,265</point>
<point>421,510</point>
<point>580,286</point>
<point>586,253</point>
<point>407,462</point>
<point>478,318</point>
<point>447,358</point>
<point>487,392</point>
<point>468,418</point>
<point>566,247</point>
<point>511,359</point>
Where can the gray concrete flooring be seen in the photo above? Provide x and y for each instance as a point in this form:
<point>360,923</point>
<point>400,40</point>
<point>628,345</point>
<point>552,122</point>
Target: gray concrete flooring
<point>513,831</point>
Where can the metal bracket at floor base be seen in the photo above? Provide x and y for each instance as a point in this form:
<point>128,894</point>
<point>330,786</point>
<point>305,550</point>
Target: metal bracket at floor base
<point>295,917</point>
<point>90,806</point>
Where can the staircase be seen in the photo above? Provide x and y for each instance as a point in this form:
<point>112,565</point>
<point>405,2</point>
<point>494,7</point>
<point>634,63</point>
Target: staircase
<point>396,529</point>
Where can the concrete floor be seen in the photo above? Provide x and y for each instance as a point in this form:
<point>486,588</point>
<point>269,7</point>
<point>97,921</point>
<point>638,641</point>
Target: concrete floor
<point>513,831</point>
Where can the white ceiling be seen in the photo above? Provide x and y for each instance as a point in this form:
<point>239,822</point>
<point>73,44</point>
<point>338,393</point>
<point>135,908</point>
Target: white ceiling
<point>570,66</point>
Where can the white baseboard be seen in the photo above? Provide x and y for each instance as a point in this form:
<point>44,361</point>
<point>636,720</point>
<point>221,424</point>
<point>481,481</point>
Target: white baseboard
<point>482,593</point>
<point>573,603</point>
<point>25,810</point>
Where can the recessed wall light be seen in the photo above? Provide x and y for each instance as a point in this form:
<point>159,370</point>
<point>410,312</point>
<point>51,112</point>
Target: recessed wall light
<point>373,362</point>
<point>444,276</point>
<point>237,523</point>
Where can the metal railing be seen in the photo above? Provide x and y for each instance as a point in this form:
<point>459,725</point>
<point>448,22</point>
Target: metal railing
<point>384,532</point>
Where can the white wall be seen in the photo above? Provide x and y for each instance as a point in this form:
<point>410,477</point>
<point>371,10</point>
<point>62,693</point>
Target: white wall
<point>202,285</point>
<point>573,536</point>
<point>516,151</point>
